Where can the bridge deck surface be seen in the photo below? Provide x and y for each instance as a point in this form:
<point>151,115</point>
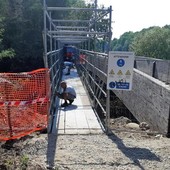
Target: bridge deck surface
<point>78,118</point>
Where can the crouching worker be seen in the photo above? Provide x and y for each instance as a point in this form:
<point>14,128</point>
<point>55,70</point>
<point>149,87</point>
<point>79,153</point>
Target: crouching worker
<point>68,94</point>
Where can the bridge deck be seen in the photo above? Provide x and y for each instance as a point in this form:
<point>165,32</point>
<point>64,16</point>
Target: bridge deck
<point>78,118</point>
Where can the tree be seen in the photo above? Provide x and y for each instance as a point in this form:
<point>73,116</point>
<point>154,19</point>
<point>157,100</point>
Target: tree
<point>155,42</point>
<point>23,33</point>
<point>4,52</point>
<point>123,43</point>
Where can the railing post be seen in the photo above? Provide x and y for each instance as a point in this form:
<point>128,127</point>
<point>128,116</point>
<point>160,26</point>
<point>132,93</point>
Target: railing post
<point>168,75</point>
<point>108,112</point>
<point>168,132</point>
<point>135,64</point>
<point>154,69</point>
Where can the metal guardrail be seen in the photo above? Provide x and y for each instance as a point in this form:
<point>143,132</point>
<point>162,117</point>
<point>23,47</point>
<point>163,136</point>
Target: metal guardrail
<point>54,59</point>
<point>93,74</point>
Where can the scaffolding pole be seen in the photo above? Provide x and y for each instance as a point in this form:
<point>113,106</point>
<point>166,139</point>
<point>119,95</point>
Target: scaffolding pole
<point>108,91</point>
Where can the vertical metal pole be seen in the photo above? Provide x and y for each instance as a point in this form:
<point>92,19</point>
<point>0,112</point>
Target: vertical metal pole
<point>108,91</point>
<point>45,59</point>
<point>110,29</point>
<point>55,44</point>
<point>108,112</point>
<point>95,36</point>
<point>58,44</point>
<point>168,130</point>
<point>86,45</point>
<point>51,40</point>
<point>45,36</point>
<point>55,59</point>
<point>89,44</point>
<point>81,45</point>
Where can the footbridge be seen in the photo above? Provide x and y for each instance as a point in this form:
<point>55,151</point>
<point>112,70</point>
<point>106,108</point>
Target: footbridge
<point>149,99</point>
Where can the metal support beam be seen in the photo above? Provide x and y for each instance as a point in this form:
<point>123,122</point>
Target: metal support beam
<point>71,37</point>
<point>72,21</point>
<point>70,27</point>
<point>49,19</point>
<point>75,9</point>
<point>77,33</point>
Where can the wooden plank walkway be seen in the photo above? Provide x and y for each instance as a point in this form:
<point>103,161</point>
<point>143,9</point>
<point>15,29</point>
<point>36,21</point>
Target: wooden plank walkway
<point>78,118</point>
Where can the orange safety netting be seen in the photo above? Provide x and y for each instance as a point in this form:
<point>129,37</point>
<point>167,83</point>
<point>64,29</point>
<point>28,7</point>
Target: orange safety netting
<point>24,103</point>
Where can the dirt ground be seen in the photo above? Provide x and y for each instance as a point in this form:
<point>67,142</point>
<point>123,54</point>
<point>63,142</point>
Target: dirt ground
<point>126,147</point>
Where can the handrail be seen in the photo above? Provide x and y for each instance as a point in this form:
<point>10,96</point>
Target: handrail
<point>91,72</point>
<point>55,69</point>
<point>53,52</point>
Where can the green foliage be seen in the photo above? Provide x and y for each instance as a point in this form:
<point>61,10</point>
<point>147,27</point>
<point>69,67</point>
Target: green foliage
<point>76,3</point>
<point>23,32</point>
<point>21,25</point>
<point>150,42</point>
<point>10,164</point>
<point>123,43</point>
<point>20,162</point>
<point>7,53</point>
<point>24,162</point>
<point>76,15</point>
<point>1,34</point>
<point>21,41</point>
<point>154,42</point>
<point>4,53</point>
<point>3,8</point>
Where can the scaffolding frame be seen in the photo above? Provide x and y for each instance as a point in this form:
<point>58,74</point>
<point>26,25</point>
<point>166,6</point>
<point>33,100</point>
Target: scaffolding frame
<point>80,33</point>
<point>56,31</point>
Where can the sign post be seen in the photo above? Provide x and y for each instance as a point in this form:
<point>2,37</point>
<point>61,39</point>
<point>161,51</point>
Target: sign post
<point>119,75</point>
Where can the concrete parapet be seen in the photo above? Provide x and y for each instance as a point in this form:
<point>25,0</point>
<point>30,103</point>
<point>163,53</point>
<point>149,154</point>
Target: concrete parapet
<point>148,101</point>
<point>159,69</point>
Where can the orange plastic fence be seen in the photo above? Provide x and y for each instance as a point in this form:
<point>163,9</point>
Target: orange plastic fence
<point>24,103</point>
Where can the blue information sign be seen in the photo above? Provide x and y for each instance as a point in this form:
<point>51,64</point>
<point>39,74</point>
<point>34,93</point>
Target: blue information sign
<point>122,85</point>
<point>120,70</point>
<point>119,85</point>
<point>120,62</point>
<point>112,84</point>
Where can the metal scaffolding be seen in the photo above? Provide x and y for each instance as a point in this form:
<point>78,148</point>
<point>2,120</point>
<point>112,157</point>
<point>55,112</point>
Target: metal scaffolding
<point>84,32</point>
<point>75,31</point>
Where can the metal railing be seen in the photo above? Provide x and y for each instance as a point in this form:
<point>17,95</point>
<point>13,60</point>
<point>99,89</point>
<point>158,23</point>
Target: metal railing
<point>92,71</point>
<point>54,59</point>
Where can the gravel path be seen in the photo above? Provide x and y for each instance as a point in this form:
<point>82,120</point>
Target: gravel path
<point>117,151</point>
<point>121,150</point>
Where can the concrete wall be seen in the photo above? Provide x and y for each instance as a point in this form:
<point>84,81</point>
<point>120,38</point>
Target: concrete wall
<point>148,101</point>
